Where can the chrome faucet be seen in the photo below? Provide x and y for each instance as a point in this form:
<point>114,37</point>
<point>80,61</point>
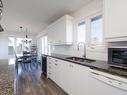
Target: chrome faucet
<point>78,45</point>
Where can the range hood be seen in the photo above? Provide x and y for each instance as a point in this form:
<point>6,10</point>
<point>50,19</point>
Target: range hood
<point>1,29</point>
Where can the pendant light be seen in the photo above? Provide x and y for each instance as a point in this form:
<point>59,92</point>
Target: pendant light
<point>27,39</point>
<point>1,13</point>
<point>1,4</point>
<point>1,29</point>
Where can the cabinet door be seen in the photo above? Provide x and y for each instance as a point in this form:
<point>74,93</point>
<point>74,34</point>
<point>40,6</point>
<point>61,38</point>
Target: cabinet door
<point>74,78</point>
<point>65,76</point>
<point>51,35</point>
<point>57,71</point>
<point>79,80</point>
<point>115,18</point>
<point>60,29</point>
<point>50,68</point>
<point>70,77</point>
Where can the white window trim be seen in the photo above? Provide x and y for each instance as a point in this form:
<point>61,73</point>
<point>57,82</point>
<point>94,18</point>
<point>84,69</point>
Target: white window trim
<point>90,17</point>
<point>87,20</point>
<point>82,20</point>
<point>44,44</point>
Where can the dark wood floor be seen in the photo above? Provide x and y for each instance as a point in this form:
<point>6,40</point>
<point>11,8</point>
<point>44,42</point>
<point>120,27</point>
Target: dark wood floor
<point>6,78</point>
<point>31,82</point>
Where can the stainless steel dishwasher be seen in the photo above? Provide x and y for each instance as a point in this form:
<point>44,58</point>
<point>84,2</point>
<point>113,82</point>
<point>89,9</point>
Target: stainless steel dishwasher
<point>102,83</point>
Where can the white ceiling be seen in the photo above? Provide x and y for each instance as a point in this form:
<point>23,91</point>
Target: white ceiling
<point>36,14</point>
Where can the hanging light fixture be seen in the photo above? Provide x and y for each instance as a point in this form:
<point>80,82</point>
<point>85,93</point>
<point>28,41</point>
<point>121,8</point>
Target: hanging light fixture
<point>1,12</point>
<point>1,29</point>
<point>1,4</point>
<point>27,39</point>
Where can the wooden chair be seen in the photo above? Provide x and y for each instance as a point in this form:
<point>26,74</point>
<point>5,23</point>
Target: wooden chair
<point>26,60</point>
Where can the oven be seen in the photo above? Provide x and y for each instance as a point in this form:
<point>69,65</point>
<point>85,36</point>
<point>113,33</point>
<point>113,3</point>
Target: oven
<point>117,57</point>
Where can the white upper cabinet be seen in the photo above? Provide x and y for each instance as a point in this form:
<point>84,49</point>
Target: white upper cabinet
<point>115,18</point>
<point>60,32</point>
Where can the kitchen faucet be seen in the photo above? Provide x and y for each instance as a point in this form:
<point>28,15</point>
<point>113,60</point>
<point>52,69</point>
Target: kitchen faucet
<point>78,45</point>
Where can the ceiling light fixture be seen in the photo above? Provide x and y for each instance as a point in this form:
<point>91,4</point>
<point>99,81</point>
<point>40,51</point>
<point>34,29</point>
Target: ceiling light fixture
<point>1,29</point>
<point>1,4</point>
<point>27,39</point>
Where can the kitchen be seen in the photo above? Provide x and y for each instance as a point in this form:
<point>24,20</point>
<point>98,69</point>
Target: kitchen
<point>83,48</point>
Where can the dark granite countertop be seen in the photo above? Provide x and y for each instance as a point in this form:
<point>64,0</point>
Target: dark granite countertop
<point>98,65</point>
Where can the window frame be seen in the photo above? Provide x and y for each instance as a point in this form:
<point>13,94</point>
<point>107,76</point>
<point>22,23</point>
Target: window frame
<point>87,20</point>
<point>43,47</point>
<point>77,25</point>
<point>89,41</point>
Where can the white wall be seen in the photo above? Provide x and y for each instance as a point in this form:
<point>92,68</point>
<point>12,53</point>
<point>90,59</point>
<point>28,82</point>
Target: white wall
<point>39,47</point>
<point>4,42</point>
<point>3,46</point>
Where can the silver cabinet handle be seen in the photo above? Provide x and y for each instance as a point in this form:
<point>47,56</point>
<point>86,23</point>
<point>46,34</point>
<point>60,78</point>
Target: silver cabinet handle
<point>56,60</point>
<point>71,65</point>
<point>95,73</point>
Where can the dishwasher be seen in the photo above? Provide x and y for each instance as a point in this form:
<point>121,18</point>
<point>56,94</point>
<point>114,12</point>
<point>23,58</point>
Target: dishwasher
<point>102,83</point>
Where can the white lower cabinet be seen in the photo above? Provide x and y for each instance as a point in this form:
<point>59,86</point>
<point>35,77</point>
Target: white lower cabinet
<point>50,68</point>
<point>56,71</point>
<point>79,80</point>
<point>72,78</point>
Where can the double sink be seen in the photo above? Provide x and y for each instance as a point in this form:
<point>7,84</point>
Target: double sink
<point>81,60</point>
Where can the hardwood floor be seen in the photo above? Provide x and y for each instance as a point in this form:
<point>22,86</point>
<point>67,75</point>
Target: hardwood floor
<point>33,83</point>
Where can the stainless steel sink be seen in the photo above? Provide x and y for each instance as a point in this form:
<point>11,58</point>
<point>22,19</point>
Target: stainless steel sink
<point>78,59</point>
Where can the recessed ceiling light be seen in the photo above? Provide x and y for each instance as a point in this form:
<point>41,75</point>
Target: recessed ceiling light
<point>1,4</point>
